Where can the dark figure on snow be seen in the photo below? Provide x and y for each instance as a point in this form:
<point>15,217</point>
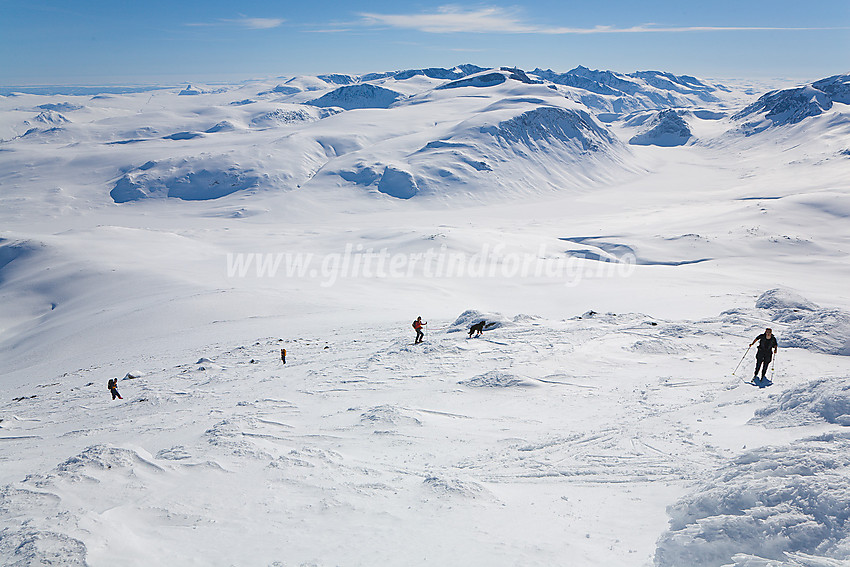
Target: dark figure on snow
<point>477,328</point>
<point>283,355</point>
<point>418,324</point>
<point>766,349</point>
<point>113,387</point>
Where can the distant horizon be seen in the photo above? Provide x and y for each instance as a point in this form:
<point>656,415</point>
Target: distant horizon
<point>105,43</point>
<point>168,82</point>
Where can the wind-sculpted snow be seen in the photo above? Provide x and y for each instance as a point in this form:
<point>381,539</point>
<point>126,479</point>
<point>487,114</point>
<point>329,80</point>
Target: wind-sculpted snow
<point>557,425</point>
<point>388,416</point>
<point>818,401</point>
<point>98,458</point>
<point>666,129</point>
<point>496,379</point>
<point>763,506</point>
<point>550,440</point>
<point>656,346</point>
<point>824,330</point>
<point>473,316</point>
<point>810,326</point>
<point>25,547</point>
<point>454,488</point>
<point>46,540</point>
<point>781,301</point>
<point>358,96</point>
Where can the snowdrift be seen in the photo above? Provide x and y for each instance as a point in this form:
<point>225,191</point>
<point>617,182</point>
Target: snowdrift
<point>824,400</point>
<point>496,379</point>
<point>783,302</point>
<point>472,316</point>
<point>765,505</point>
<point>824,330</point>
<point>815,328</point>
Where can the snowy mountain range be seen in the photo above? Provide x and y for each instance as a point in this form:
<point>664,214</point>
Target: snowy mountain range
<point>426,130</point>
<point>624,237</point>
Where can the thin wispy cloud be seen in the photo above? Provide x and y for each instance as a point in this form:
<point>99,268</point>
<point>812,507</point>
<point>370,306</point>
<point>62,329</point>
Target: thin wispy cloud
<point>243,22</point>
<point>454,19</point>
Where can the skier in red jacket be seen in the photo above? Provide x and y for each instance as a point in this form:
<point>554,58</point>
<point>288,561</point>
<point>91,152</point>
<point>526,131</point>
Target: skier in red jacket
<point>418,324</point>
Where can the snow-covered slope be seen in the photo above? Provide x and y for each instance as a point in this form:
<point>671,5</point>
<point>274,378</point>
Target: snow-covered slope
<point>494,447</point>
<point>179,242</point>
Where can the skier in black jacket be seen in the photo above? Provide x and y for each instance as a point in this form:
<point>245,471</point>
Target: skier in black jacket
<point>113,387</point>
<point>764,354</point>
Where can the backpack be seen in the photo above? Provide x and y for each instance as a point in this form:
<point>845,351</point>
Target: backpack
<point>110,384</point>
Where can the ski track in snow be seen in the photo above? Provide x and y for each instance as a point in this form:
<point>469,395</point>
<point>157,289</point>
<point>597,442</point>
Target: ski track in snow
<point>233,458</point>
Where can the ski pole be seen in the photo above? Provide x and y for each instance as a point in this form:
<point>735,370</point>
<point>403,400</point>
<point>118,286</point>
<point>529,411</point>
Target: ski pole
<point>773,367</point>
<point>742,360</point>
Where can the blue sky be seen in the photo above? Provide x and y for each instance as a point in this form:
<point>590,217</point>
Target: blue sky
<point>174,41</point>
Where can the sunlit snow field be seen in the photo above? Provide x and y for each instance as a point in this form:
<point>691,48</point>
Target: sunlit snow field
<point>626,236</point>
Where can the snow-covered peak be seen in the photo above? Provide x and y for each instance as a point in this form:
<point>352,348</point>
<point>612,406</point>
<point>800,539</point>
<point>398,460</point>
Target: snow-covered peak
<point>667,128</point>
<point>492,77</point>
<point>441,73</point>
<point>358,96</point>
<point>51,117</point>
<point>189,91</point>
<point>791,106</point>
<point>642,90</point>
<point>836,87</point>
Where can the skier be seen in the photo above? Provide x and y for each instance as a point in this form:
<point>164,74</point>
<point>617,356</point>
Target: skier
<point>283,355</point>
<point>477,328</point>
<point>418,324</point>
<point>113,387</point>
<point>764,354</point>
